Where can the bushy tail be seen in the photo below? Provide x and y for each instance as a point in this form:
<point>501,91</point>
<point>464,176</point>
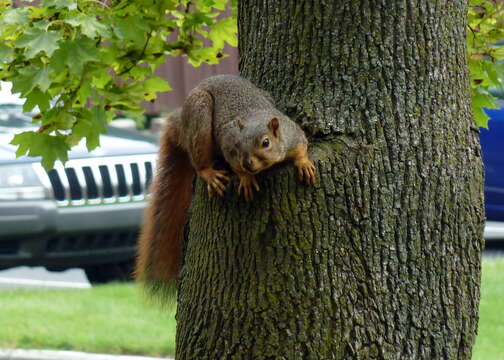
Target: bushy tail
<point>160,244</point>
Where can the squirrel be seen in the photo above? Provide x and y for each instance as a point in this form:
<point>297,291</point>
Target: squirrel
<point>224,116</point>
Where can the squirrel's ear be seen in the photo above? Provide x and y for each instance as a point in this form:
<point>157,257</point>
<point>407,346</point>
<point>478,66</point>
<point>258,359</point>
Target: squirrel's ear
<point>273,125</point>
<point>240,123</point>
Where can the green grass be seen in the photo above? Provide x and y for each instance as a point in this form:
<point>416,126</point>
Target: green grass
<point>490,340</point>
<point>117,319</point>
<point>113,319</point>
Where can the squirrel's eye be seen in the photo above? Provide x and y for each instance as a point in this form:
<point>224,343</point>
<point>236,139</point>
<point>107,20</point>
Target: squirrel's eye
<point>265,143</point>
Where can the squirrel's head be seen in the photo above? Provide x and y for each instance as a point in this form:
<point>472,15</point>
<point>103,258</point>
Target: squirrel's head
<point>259,145</point>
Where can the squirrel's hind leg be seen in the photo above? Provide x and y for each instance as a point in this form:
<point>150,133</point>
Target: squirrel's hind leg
<point>197,113</point>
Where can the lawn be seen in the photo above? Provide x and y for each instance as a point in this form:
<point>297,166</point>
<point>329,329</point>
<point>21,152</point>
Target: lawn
<point>490,340</point>
<point>114,319</point>
<point>117,319</point>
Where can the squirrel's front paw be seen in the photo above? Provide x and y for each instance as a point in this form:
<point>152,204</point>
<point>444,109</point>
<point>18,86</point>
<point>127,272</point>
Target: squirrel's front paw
<point>214,179</point>
<point>247,181</point>
<point>306,170</point>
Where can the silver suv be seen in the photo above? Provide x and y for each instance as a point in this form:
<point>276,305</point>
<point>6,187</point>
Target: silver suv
<point>85,214</point>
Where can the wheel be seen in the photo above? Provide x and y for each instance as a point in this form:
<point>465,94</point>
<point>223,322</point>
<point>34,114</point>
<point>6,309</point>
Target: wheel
<point>103,273</point>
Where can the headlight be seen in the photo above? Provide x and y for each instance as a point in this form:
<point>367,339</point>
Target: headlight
<point>20,182</point>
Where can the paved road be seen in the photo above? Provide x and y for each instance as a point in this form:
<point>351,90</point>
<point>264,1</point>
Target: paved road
<point>38,277</point>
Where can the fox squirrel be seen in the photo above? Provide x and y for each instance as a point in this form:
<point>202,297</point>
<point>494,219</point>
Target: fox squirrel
<point>226,116</point>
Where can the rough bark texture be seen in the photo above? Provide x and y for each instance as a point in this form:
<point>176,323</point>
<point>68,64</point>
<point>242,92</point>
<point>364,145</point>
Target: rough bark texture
<point>381,259</point>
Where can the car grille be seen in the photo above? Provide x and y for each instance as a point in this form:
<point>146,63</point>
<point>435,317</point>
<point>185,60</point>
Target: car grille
<point>103,180</point>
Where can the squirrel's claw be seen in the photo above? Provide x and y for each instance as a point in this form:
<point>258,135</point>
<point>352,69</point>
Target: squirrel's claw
<point>214,179</point>
<point>210,191</point>
<point>306,171</point>
<point>217,185</point>
<point>248,194</point>
<point>221,174</point>
<point>246,183</point>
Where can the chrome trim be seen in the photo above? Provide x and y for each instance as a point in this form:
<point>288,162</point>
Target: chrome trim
<point>129,178</point>
<point>114,181</point>
<point>95,170</point>
<point>94,164</point>
<point>60,170</point>
<point>44,179</point>
<point>142,174</point>
<point>494,189</point>
<point>494,230</point>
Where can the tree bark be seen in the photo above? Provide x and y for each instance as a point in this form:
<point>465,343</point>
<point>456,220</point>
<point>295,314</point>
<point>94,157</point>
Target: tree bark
<point>381,259</point>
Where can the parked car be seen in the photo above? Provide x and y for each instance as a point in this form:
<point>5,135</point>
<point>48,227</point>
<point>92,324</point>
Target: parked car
<point>86,214</point>
<point>492,144</point>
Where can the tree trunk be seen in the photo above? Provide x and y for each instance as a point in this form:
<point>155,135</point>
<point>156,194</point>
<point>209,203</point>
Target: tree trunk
<point>381,259</point>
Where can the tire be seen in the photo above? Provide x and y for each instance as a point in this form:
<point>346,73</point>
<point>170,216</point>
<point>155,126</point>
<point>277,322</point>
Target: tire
<point>104,273</point>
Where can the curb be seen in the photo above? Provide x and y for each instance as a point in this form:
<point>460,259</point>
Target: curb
<point>16,354</point>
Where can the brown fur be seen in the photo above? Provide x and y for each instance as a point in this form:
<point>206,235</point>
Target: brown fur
<point>225,115</point>
<point>159,245</point>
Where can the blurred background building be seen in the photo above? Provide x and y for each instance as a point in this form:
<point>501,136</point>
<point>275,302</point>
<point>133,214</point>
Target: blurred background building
<point>182,77</point>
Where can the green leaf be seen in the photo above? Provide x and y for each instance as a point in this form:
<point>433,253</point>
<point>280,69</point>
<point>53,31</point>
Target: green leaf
<point>74,54</point>
<point>98,120</point>
<point>220,4</point>
<point>154,85</point>
<point>23,140</point>
<point>6,53</point>
<point>17,16</point>
<point>140,72</point>
<point>51,148</point>
<point>499,52</point>
<point>166,5</point>
<point>36,40</point>
<point>94,57</point>
<point>223,31</point>
<point>110,53</point>
<point>89,25</point>
<point>482,99</point>
<point>132,29</point>
<point>99,116</point>
<point>207,5</point>
<point>208,55</point>
<point>30,77</point>
<point>83,93</point>
<point>58,117</point>
<point>61,4</point>
<point>480,117</point>
<point>37,98</point>
<point>101,79</point>
<point>91,124</point>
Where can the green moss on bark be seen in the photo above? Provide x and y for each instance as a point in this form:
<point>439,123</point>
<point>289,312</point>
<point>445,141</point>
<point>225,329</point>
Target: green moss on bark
<point>379,260</point>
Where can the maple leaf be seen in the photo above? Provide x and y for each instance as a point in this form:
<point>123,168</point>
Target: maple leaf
<point>30,77</point>
<point>74,54</point>
<point>35,40</point>
<point>89,25</point>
